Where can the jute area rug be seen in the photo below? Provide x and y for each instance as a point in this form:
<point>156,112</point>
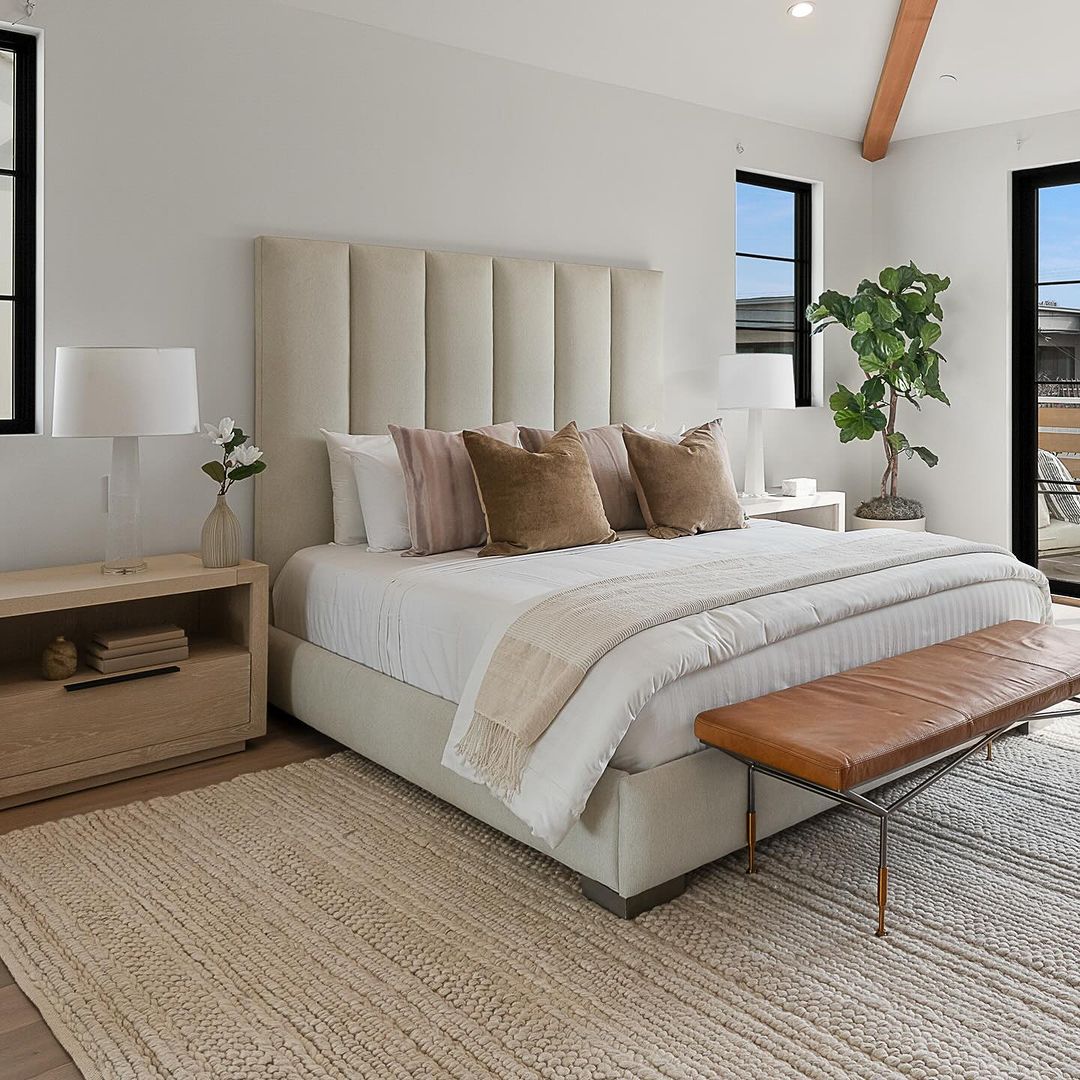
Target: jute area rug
<point>329,920</point>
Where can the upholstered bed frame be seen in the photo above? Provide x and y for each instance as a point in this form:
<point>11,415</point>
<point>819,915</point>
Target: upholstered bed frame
<point>350,337</point>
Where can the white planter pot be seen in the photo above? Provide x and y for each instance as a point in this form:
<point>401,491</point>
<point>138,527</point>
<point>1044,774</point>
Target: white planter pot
<point>911,525</point>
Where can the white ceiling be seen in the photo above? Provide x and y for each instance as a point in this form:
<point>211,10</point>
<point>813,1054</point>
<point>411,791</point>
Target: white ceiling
<point>1013,60</point>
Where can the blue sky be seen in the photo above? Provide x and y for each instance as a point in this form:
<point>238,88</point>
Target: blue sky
<point>1059,243</point>
<point>765,225</point>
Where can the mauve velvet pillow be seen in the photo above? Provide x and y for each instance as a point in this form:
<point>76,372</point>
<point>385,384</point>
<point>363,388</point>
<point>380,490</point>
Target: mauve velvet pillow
<point>687,487</point>
<point>610,468</point>
<point>539,501</point>
<point>444,509</point>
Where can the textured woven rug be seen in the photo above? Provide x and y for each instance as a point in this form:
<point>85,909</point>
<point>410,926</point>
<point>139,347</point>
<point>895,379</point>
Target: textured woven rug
<point>329,920</point>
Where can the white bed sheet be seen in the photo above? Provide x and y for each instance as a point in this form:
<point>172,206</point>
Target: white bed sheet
<point>425,621</point>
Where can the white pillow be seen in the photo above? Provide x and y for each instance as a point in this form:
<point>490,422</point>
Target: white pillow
<point>348,516</point>
<point>380,483</point>
<point>1044,512</point>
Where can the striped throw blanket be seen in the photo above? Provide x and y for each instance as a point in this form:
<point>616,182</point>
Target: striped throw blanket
<point>545,654</point>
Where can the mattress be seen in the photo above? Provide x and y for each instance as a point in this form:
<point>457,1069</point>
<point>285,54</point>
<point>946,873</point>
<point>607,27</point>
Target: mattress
<point>425,621</point>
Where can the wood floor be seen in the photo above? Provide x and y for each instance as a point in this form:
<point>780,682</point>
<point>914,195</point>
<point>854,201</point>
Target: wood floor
<point>28,1050</point>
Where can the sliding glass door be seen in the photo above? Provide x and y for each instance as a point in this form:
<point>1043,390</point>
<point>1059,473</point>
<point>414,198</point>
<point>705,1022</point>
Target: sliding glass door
<point>1046,372</point>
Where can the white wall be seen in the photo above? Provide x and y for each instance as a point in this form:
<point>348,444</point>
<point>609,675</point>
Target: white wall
<point>944,201</point>
<point>178,130</point>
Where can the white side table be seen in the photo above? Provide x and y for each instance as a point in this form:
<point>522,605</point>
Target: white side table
<point>824,510</point>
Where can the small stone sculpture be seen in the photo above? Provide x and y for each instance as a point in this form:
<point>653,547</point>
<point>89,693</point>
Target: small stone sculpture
<point>59,660</point>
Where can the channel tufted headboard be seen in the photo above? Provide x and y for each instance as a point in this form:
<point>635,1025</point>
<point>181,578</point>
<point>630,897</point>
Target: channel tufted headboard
<point>351,337</point>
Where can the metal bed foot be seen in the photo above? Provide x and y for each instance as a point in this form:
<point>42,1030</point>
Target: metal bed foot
<point>630,907</point>
<point>751,822</point>
<point>882,873</point>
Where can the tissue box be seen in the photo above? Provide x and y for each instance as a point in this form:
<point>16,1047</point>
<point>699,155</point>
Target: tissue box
<point>801,485</point>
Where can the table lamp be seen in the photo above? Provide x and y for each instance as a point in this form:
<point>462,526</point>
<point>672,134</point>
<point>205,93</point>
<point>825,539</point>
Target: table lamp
<point>756,381</point>
<point>123,393</point>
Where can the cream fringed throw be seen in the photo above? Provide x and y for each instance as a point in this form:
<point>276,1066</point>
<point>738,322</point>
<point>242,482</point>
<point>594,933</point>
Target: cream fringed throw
<point>546,653</point>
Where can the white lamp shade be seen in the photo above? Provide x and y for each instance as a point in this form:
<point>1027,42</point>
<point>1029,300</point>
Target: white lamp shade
<point>102,392</point>
<point>757,381</point>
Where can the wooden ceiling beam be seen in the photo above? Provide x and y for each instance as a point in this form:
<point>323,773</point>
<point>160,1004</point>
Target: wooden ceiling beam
<point>909,33</point>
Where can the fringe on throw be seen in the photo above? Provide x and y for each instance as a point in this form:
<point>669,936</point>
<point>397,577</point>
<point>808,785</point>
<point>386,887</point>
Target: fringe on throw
<point>496,753</point>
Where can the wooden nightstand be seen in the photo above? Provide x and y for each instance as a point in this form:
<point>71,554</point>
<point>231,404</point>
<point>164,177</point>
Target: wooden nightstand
<point>60,736</point>
<point>825,510</point>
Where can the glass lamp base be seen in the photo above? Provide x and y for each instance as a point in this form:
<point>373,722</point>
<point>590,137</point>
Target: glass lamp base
<point>123,543</point>
<point>118,567</point>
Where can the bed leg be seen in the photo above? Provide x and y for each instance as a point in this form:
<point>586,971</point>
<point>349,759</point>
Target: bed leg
<point>630,907</point>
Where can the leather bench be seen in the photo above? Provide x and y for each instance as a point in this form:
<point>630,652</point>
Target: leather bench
<point>848,730</point>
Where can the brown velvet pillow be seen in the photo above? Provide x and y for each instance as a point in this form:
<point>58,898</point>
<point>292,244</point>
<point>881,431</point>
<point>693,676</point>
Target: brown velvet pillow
<point>610,468</point>
<point>440,494</point>
<point>684,488</point>
<point>539,501</point>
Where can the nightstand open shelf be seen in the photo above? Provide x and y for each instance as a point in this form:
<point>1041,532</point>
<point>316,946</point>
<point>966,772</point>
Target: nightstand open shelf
<point>54,740</point>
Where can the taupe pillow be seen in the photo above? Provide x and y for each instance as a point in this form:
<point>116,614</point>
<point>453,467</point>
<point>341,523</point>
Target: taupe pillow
<point>440,494</point>
<point>538,501</point>
<point>610,468</point>
<point>684,488</point>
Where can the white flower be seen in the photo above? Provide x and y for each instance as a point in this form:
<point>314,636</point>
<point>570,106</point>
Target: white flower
<point>222,433</point>
<point>245,455</point>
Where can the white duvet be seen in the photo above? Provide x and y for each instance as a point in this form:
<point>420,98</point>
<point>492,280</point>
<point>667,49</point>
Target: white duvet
<point>433,623</point>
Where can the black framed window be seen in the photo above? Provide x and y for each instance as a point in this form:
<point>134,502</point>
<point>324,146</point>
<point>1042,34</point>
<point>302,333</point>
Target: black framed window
<point>773,244</point>
<point>18,231</point>
<point>1046,370</point>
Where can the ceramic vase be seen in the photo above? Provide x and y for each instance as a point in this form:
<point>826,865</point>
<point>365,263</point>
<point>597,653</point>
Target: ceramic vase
<point>906,525</point>
<point>221,536</point>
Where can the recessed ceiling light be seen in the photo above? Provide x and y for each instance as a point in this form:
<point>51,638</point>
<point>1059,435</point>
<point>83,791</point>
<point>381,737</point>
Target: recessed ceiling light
<point>801,10</point>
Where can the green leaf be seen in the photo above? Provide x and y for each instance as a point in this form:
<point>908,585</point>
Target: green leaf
<point>916,301</point>
<point>215,470</point>
<point>836,305</point>
<point>887,345</point>
<point>887,311</point>
<point>873,391</point>
<point>863,322</point>
<point>841,398</point>
<point>889,279</point>
<point>863,343</point>
<point>928,456</point>
<point>899,442</point>
<point>238,439</point>
<point>856,423</point>
<point>242,472</point>
<point>929,333</point>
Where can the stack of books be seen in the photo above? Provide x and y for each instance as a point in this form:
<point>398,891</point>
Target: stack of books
<point>123,650</point>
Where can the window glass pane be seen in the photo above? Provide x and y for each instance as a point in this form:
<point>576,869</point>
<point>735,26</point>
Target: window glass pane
<point>764,221</point>
<point>1059,233</point>
<point>1058,343</point>
<point>6,371</point>
<point>7,221</point>
<point>1059,296</point>
<point>764,291</point>
<point>7,113</point>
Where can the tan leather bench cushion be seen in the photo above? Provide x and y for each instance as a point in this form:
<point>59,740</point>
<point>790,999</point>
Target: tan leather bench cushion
<point>849,728</point>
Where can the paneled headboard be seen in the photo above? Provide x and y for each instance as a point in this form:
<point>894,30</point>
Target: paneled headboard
<point>351,337</point>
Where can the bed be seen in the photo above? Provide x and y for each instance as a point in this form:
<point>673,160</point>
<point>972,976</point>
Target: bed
<point>377,651</point>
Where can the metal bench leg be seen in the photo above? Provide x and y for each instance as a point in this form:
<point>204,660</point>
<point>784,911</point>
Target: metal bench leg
<point>990,750</point>
<point>882,875</point>
<point>751,821</point>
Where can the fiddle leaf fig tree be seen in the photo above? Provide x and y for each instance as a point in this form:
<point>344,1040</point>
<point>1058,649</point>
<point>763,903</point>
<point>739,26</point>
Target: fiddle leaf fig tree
<point>894,324</point>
